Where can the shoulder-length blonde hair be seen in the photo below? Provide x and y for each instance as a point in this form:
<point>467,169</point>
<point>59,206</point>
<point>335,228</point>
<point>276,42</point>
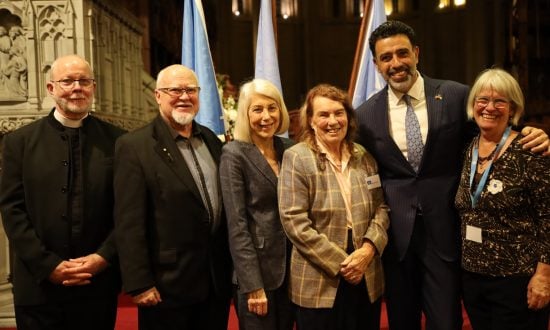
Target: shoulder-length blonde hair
<point>248,91</point>
<point>503,83</point>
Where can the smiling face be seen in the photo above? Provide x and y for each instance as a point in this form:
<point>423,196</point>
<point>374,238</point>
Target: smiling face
<point>396,60</point>
<point>72,102</point>
<point>492,111</point>
<point>177,111</point>
<point>329,121</point>
<point>264,117</point>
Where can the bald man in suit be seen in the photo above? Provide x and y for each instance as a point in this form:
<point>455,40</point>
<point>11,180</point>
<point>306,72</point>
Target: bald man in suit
<point>169,224</point>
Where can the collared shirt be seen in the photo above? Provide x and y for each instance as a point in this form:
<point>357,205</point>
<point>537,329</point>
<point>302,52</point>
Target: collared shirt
<point>342,174</point>
<point>72,123</point>
<point>398,110</point>
<point>207,165</point>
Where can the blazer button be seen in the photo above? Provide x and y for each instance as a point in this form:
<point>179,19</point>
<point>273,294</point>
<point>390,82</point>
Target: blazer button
<point>64,189</point>
<point>64,162</point>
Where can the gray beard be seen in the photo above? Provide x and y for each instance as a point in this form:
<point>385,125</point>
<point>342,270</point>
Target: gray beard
<point>183,119</point>
<point>404,86</point>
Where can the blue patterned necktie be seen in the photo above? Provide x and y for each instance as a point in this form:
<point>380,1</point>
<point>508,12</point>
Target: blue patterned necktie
<point>415,146</point>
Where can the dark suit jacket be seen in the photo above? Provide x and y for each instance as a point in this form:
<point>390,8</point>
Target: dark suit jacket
<point>161,224</point>
<point>35,208</point>
<point>434,186</point>
<point>256,238</point>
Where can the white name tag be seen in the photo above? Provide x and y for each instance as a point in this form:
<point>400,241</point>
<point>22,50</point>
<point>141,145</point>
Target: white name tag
<point>473,234</point>
<point>373,182</point>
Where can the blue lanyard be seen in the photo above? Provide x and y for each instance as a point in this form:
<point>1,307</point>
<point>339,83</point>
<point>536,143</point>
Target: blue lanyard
<point>473,167</point>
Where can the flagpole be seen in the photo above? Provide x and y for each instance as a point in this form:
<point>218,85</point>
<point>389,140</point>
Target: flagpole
<point>274,21</point>
<point>358,50</point>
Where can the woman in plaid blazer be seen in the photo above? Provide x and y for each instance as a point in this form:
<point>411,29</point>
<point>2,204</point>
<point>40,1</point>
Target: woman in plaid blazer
<point>333,211</point>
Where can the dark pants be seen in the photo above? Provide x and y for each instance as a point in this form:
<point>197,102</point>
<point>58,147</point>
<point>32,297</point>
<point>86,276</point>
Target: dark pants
<point>352,309</point>
<point>82,314</point>
<point>213,314</point>
<point>421,282</point>
<point>500,303</point>
<point>280,312</point>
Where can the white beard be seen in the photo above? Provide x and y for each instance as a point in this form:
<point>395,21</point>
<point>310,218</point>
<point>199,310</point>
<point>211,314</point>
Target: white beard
<point>183,119</point>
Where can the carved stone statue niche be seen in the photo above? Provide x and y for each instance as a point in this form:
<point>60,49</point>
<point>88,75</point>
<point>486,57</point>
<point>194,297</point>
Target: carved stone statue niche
<point>13,59</point>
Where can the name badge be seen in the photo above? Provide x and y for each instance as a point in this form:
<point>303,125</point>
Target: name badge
<point>373,182</point>
<point>473,234</point>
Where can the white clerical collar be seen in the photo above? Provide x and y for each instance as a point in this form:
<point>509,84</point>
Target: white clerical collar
<point>67,122</point>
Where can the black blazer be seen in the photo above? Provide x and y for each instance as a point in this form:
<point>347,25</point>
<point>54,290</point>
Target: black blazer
<point>434,186</point>
<point>161,224</point>
<point>34,206</point>
<point>256,237</point>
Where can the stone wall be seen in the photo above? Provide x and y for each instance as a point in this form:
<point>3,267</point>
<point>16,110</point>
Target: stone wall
<point>32,35</point>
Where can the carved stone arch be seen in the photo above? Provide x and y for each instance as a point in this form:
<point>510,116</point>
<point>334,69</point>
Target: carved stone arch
<point>51,23</point>
<point>9,6</point>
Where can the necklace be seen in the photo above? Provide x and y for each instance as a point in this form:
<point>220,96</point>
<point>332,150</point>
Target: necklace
<point>483,160</point>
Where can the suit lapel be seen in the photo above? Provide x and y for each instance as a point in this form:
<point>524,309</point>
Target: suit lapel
<point>256,158</point>
<point>169,153</point>
<point>434,105</point>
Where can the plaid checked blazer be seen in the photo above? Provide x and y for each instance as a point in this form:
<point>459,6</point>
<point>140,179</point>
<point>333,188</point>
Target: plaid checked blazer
<point>313,215</point>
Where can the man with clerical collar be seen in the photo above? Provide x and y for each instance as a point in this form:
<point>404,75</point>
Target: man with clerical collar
<point>56,200</point>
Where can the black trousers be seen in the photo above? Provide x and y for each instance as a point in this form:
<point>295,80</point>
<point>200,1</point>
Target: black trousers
<point>280,312</point>
<point>212,314</point>
<point>500,303</point>
<point>352,309</point>
<point>82,314</point>
<point>422,283</point>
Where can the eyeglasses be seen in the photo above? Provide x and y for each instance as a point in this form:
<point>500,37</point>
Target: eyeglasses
<point>483,102</point>
<point>178,91</point>
<point>69,83</point>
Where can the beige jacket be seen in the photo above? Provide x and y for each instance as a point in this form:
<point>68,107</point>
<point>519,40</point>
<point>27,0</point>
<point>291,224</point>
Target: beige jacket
<point>313,215</point>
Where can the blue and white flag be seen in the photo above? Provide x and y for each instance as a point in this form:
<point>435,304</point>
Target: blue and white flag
<point>267,65</point>
<point>368,80</point>
<point>196,56</point>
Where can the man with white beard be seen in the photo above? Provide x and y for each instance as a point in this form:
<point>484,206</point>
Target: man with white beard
<point>169,226</point>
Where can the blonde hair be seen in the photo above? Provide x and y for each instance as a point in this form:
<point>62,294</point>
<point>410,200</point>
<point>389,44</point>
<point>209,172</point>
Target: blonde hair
<point>248,91</point>
<point>503,83</point>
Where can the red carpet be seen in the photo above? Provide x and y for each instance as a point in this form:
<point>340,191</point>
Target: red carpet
<point>127,317</point>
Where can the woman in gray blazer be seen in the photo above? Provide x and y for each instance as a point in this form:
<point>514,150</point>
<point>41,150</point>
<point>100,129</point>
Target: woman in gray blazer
<point>249,169</point>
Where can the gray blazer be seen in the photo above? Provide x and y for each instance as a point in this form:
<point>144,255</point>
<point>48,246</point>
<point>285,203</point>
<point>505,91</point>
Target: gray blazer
<point>257,241</point>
